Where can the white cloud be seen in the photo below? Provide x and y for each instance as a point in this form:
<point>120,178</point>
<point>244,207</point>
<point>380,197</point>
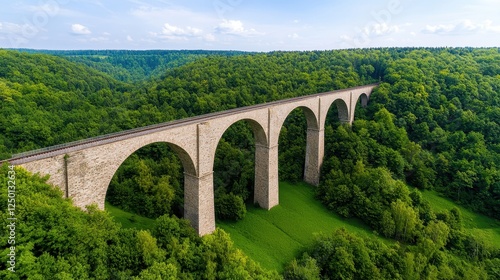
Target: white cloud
<point>176,31</point>
<point>15,35</point>
<point>235,27</point>
<point>440,29</point>
<point>363,37</point>
<point>14,28</point>
<point>129,38</point>
<point>380,29</point>
<point>294,36</point>
<point>464,27</point>
<point>371,32</point>
<point>79,29</point>
<point>172,32</point>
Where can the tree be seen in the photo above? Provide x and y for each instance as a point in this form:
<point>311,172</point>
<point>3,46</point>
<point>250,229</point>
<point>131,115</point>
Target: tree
<point>159,271</point>
<point>230,207</point>
<point>405,220</point>
<point>147,248</point>
<point>437,231</point>
<point>303,269</point>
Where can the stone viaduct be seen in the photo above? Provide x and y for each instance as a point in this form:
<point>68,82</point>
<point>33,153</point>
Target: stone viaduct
<point>83,169</point>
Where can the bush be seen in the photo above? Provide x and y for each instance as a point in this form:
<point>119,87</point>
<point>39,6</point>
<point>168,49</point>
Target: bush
<point>303,269</point>
<point>230,207</point>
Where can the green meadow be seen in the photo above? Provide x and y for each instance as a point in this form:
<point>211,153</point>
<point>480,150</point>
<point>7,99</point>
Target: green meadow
<point>479,225</point>
<point>127,219</point>
<point>273,238</point>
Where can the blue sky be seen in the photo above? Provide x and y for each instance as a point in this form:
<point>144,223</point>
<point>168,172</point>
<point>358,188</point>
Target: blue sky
<point>251,25</point>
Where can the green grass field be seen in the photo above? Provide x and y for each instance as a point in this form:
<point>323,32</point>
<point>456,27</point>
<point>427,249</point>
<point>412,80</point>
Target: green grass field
<point>273,238</point>
<point>128,220</point>
<point>475,223</point>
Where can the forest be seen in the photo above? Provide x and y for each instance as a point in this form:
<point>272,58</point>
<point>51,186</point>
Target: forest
<point>433,123</point>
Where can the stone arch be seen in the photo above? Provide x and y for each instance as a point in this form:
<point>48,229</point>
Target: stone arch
<point>314,145</point>
<point>186,161</point>
<point>363,99</point>
<point>262,172</point>
<point>259,133</point>
<point>342,109</point>
<point>311,119</point>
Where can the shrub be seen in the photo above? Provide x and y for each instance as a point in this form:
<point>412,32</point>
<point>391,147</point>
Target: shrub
<point>230,207</point>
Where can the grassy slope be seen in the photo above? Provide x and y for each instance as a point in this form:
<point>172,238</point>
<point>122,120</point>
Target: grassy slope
<point>129,220</point>
<point>273,238</point>
<point>475,223</point>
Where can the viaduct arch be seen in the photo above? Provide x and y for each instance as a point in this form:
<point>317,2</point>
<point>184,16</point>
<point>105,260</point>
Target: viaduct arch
<point>83,169</point>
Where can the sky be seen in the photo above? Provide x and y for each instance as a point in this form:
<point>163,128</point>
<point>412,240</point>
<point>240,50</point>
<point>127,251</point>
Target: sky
<point>248,25</point>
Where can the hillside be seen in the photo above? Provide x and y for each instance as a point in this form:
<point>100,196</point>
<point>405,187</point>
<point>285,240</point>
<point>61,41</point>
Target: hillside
<point>432,124</point>
<point>48,100</point>
<point>476,224</point>
<point>134,66</point>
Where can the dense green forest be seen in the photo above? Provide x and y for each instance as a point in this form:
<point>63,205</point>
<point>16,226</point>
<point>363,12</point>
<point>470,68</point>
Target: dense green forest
<point>433,123</point>
<point>133,66</point>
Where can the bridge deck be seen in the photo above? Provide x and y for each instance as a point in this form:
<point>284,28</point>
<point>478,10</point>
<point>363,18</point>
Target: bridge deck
<point>126,134</point>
